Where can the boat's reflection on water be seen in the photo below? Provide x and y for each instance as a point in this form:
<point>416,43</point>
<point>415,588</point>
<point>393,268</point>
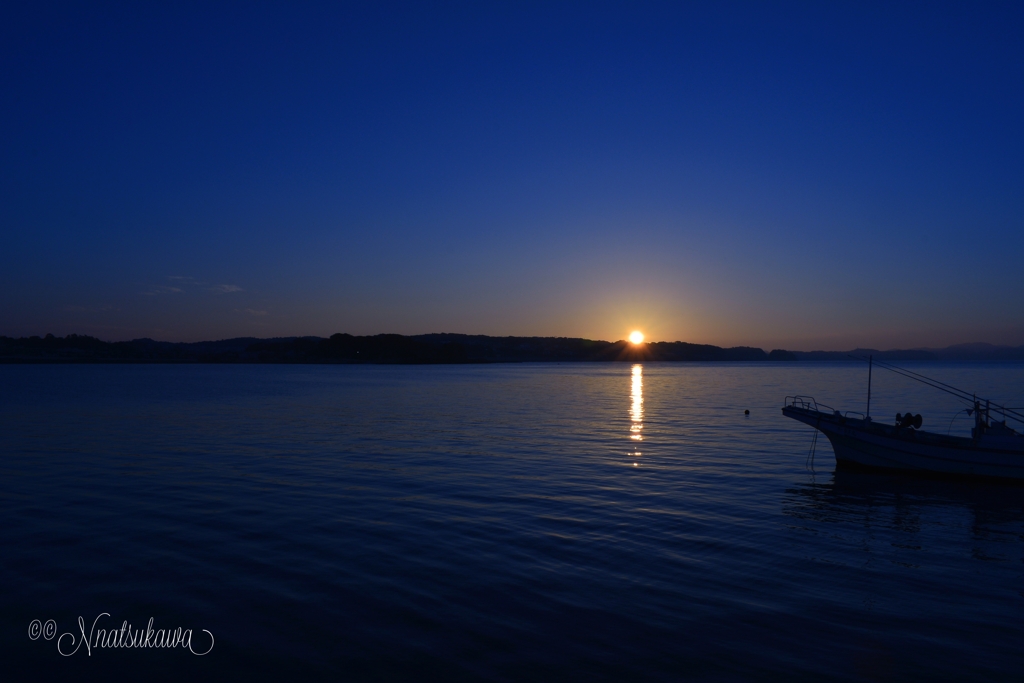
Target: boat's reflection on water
<point>913,512</point>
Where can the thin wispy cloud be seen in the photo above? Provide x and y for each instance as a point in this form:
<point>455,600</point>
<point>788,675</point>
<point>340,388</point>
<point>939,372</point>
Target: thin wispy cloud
<point>252,311</point>
<point>181,283</point>
<point>162,289</point>
<point>88,309</point>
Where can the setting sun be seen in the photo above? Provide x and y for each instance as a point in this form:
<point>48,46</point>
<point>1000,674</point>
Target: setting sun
<point>636,337</point>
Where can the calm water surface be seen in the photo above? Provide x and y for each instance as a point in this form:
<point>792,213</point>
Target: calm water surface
<point>503,522</point>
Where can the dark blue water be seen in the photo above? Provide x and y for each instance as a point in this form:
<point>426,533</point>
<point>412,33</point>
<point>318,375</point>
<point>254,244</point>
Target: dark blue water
<point>505,523</point>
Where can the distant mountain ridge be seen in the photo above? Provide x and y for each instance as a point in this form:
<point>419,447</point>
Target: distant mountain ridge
<point>962,352</point>
<point>440,348</point>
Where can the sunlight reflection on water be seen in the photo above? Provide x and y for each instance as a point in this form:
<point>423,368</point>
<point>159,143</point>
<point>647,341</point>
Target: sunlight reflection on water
<point>636,408</point>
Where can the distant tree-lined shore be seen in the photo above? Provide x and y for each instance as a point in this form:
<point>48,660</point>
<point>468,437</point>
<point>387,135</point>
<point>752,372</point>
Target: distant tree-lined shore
<point>437,348</point>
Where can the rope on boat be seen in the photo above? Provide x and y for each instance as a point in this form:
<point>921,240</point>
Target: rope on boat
<point>809,462</point>
<point>955,416</point>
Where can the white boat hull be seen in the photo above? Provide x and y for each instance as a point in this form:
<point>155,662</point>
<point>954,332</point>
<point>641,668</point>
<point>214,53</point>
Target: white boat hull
<point>861,443</point>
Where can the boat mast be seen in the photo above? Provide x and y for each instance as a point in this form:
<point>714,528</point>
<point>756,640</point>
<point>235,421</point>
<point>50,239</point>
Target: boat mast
<point>867,411</point>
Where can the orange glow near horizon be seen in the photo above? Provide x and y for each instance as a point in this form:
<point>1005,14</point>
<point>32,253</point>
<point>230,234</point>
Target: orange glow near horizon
<point>636,337</point>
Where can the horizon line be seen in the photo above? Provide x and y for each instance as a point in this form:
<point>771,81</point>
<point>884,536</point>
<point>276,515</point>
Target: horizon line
<point>512,336</point>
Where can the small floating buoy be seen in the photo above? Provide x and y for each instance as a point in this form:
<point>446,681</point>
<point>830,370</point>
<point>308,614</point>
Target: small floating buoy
<point>746,412</point>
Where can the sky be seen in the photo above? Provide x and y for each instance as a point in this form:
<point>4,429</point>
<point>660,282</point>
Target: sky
<point>783,175</point>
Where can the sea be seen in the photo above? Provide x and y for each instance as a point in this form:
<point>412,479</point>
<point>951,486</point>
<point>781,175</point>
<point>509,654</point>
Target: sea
<point>507,522</point>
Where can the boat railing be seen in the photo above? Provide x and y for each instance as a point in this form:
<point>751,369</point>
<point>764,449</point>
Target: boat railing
<point>808,403</point>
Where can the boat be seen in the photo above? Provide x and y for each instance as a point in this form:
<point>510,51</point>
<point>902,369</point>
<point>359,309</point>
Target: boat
<point>994,449</point>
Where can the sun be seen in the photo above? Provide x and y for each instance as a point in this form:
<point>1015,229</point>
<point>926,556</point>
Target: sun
<point>636,337</point>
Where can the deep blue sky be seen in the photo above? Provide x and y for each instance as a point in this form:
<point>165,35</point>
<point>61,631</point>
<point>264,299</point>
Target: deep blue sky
<point>812,175</point>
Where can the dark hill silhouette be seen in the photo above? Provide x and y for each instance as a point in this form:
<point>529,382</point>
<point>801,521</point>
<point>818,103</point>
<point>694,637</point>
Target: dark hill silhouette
<point>959,352</point>
<point>435,348</point>
<point>346,348</point>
